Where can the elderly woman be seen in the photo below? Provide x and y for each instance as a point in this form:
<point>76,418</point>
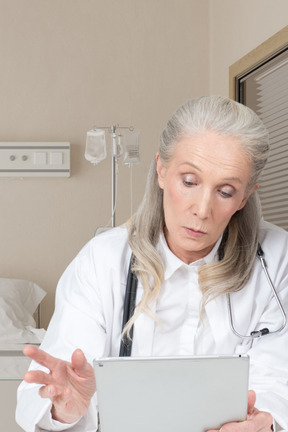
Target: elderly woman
<point>194,240</point>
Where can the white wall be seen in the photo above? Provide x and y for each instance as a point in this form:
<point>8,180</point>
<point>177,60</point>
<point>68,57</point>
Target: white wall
<point>236,28</point>
<point>67,65</point>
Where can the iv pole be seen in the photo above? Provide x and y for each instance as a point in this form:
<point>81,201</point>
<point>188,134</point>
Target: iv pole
<point>116,151</point>
<point>113,171</point>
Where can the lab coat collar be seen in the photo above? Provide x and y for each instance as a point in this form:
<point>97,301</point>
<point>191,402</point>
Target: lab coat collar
<point>173,263</point>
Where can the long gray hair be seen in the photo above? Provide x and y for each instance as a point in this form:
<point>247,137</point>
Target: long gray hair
<point>238,247</point>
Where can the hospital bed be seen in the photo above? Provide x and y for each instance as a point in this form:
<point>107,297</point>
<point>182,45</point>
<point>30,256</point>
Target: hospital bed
<point>20,324</point>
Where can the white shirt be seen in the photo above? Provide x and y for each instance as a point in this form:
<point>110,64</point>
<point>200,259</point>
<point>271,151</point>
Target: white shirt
<point>178,308</point>
<point>88,315</point>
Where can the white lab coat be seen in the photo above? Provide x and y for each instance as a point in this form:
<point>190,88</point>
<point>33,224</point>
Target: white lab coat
<point>88,315</point>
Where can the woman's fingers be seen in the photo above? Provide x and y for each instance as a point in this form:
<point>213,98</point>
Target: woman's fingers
<point>40,356</point>
<point>251,401</point>
<point>79,362</point>
<point>80,365</point>
<point>38,377</point>
<point>49,362</point>
<point>78,374</point>
<point>52,392</point>
<point>257,421</point>
<point>69,386</point>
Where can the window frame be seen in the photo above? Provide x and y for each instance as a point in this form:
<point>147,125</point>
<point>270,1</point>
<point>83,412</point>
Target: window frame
<point>274,177</point>
<point>264,52</point>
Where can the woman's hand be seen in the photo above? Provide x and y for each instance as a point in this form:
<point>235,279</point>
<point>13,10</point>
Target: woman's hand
<point>70,386</point>
<point>257,421</point>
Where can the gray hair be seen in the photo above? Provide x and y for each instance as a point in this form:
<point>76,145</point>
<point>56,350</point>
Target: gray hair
<point>238,247</point>
<point>221,115</point>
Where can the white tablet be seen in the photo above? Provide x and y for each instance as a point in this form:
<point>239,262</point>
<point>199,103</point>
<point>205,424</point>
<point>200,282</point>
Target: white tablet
<point>170,394</point>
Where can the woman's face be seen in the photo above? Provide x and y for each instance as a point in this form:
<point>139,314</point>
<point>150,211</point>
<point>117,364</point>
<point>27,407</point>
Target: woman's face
<point>204,184</point>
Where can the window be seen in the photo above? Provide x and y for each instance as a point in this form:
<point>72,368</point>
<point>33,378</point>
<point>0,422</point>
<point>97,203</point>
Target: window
<point>262,84</point>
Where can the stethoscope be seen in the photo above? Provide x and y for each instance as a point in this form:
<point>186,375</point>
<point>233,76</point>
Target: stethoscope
<point>130,302</point>
<point>264,331</point>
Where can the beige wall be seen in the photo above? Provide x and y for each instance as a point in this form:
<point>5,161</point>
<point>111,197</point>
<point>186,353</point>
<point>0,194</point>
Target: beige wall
<point>236,28</point>
<point>67,65</point>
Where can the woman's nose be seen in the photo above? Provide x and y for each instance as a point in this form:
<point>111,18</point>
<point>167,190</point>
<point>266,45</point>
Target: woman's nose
<point>202,205</point>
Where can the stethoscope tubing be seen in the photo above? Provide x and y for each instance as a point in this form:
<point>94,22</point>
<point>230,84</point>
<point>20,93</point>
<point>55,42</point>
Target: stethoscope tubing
<point>258,333</point>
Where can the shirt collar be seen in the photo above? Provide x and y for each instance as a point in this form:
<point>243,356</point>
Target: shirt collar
<point>173,263</point>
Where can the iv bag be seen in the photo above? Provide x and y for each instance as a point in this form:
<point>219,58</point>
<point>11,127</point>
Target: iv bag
<point>95,150</point>
<point>131,147</point>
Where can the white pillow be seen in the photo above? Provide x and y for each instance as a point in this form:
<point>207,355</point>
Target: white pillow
<point>19,300</point>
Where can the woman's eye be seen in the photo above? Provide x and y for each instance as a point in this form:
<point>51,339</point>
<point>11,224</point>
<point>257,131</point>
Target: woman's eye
<point>189,181</point>
<point>225,194</point>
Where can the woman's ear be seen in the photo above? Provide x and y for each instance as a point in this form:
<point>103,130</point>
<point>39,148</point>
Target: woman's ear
<point>160,171</point>
<point>245,199</point>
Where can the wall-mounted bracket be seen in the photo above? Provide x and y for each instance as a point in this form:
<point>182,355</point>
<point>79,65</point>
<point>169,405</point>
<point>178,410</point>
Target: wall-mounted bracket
<point>34,159</point>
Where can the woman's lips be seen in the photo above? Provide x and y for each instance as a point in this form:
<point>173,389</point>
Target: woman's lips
<point>195,233</point>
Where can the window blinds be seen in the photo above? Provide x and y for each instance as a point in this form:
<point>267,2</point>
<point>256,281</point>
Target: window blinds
<point>270,101</point>
<point>272,107</point>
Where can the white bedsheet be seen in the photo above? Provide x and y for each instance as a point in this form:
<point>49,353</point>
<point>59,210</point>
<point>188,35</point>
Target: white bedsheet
<point>19,300</point>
